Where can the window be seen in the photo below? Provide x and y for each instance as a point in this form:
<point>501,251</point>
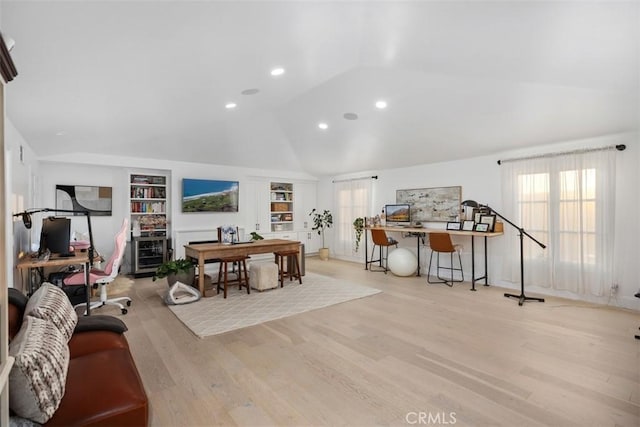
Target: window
<point>533,201</point>
<point>352,200</point>
<point>574,194</point>
<point>568,203</point>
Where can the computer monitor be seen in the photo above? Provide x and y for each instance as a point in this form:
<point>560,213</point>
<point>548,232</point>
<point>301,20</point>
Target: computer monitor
<point>398,214</point>
<point>55,235</point>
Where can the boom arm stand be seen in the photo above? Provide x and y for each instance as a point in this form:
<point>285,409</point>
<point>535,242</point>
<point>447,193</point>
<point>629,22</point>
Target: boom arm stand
<point>522,297</point>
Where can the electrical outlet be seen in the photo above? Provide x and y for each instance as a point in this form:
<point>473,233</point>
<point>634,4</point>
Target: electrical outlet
<point>614,288</point>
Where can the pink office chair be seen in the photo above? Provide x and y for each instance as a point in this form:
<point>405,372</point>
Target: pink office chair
<point>106,276</point>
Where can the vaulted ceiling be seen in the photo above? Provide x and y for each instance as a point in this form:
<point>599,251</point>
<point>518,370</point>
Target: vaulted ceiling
<point>151,79</point>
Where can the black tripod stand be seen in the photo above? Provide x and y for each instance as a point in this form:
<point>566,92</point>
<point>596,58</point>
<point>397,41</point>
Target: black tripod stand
<point>522,297</point>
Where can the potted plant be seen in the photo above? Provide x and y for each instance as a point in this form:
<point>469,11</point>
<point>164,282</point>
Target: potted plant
<point>321,221</point>
<point>358,226</point>
<point>176,270</point>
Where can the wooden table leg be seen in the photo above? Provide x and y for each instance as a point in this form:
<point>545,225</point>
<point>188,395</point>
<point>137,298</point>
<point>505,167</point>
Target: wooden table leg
<point>201,274</point>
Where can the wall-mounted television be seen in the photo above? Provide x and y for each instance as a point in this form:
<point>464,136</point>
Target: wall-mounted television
<point>206,195</point>
<point>399,214</point>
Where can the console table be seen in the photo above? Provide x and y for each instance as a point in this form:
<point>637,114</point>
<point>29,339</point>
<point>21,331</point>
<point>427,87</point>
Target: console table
<point>421,232</point>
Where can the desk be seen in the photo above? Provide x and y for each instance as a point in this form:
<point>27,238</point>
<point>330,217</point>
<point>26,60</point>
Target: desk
<point>28,263</point>
<point>205,251</point>
<point>421,232</point>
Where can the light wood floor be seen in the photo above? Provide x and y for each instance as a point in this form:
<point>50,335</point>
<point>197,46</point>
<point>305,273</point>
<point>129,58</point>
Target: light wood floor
<point>447,355</point>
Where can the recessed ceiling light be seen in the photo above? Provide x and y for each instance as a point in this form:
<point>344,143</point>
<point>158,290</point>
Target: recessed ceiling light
<point>350,116</point>
<point>381,105</point>
<point>61,133</point>
<point>277,72</point>
<point>230,105</point>
<point>323,126</point>
<point>250,91</point>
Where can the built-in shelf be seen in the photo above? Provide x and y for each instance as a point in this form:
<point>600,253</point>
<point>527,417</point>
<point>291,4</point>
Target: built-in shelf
<point>281,206</point>
<point>148,205</point>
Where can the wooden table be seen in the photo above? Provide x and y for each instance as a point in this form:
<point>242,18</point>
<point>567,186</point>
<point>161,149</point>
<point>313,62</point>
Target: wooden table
<point>206,251</point>
<point>80,257</point>
<point>420,232</point>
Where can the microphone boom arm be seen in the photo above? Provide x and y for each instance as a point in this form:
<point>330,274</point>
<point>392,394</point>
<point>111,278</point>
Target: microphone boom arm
<point>26,218</point>
<point>520,229</point>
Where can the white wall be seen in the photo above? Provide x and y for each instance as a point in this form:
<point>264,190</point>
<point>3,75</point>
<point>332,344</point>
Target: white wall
<point>480,181</point>
<point>104,227</point>
<point>20,179</point>
<point>113,171</point>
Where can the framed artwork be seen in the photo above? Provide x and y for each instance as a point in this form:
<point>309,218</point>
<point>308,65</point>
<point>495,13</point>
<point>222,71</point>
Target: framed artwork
<point>205,195</point>
<point>467,225</point>
<point>453,226</point>
<point>438,204</point>
<point>228,234</point>
<point>488,219</point>
<point>96,200</point>
<point>482,226</point>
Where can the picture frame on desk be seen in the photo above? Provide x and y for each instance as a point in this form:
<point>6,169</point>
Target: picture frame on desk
<point>488,219</point>
<point>482,227</point>
<point>476,215</point>
<point>468,225</point>
<point>478,212</point>
<point>453,225</point>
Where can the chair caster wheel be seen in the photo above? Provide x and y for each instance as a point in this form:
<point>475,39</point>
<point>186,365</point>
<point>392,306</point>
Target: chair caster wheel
<point>128,303</point>
<point>124,311</point>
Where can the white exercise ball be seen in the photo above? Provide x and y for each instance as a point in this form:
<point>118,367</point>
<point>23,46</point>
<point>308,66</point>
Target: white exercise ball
<point>402,262</point>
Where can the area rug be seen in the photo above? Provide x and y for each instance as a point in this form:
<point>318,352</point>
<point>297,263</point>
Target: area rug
<point>216,315</point>
<point>121,285</point>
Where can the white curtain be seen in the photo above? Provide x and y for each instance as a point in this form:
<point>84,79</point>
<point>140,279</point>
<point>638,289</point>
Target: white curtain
<point>352,199</point>
<point>567,202</point>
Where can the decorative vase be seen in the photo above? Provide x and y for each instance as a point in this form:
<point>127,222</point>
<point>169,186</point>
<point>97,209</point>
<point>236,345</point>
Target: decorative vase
<point>323,253</point>
<point>186,277</point>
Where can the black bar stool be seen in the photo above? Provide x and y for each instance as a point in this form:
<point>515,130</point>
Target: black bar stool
<point>240,260</point>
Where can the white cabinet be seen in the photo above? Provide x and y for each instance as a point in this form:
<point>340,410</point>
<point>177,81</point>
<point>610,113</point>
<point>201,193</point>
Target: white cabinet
<point>306,200</point>
<point>259,195</point>
<point>289,235</point>
<point>282,210</point>
<point>310,240</point>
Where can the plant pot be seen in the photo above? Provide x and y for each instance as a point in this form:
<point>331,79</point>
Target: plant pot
<point>323,253</point>
<point>186,277</point>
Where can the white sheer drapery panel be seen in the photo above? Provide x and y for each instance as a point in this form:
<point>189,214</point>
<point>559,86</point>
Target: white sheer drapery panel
<point>351,200</point>
<point>567,203</point>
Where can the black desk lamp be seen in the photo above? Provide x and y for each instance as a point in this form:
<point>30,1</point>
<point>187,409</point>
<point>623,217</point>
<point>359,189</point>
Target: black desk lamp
<point>468,204</point>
